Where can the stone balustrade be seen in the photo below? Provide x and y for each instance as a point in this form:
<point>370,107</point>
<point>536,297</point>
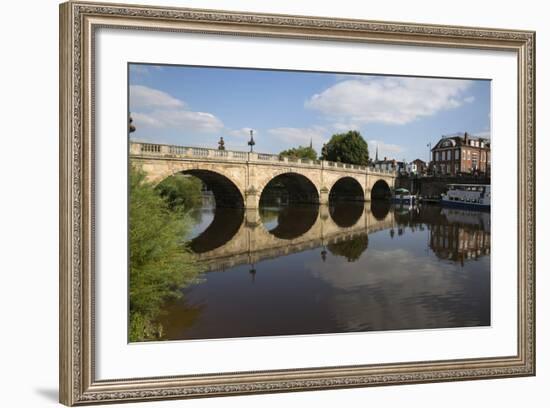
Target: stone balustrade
<point>141,149</point>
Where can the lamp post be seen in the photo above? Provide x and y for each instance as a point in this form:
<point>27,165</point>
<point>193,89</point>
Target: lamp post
<point>429,146</point>
<point>251,142</point>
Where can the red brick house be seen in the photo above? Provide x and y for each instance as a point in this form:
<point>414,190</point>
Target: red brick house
<point>465,154</point>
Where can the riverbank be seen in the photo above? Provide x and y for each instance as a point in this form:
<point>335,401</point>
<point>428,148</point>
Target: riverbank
<point>432,186</point>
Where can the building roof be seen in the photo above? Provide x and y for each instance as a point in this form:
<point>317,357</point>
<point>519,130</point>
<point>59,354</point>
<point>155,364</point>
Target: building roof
<point>457,141</point>
<point>389,161</point>
<point>418,160</point>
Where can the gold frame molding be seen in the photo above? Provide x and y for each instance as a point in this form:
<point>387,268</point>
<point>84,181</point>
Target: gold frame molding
<point>78,22</point>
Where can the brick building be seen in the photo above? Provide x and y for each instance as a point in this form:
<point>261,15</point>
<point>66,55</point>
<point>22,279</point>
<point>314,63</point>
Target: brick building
<point>465,154</point>
<point>389,164</point>
<point>418,166</point>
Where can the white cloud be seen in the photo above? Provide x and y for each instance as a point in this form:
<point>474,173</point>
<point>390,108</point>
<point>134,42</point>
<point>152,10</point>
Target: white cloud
<point>469,99</point>
<point>243,132</point>
<point>388,100</point>
<point>345,127</point>
<point>152,108</point>
<point>384,149</point>
<point>291,136</point>
<point>301,136</point>
<point>144,97</point>
<point>184,120</point>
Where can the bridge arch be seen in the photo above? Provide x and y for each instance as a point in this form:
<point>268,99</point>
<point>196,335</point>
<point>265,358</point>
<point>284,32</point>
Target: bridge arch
<point>250,172</point>
<point>291,187</point>
<point>348,189</point>
<point>225,191</point>
<point>380,189</point>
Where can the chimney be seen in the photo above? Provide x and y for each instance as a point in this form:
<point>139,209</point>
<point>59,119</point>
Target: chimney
<point>465,137</point>
<point>385,158</point>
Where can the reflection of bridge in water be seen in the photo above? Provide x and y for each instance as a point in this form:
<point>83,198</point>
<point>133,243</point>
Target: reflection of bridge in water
<point>236,237</point>
<point>231,240</point>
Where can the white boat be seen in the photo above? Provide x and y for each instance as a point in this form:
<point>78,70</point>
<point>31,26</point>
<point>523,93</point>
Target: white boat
<point>472,196</point>
<point>403,196</point>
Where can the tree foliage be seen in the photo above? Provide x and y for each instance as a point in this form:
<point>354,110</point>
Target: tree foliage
<point>160,262</point>
<point>181,192</point>
<point>347,147</point>
<point>300,152</point>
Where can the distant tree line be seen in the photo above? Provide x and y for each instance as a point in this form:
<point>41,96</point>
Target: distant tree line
<point>300,152</point>
<point>349,147</point>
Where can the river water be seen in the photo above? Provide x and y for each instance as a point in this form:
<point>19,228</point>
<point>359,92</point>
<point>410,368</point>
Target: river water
<point>289,270</point>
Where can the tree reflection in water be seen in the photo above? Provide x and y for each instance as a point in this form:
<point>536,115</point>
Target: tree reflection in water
<point>351,248</point>
<point>303,272</point>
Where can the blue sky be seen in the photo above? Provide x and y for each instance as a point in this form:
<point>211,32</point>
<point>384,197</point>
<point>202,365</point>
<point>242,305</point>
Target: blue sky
<point>194,106</point>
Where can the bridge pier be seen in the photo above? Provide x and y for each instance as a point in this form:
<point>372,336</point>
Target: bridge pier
<point>367,194</point>
<point>252,217</point>
<point>323,196</point>
<point>251,199</point>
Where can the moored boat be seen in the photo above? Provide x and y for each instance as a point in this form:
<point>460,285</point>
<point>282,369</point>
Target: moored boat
<point>472,196</point>
<point>403,196</point>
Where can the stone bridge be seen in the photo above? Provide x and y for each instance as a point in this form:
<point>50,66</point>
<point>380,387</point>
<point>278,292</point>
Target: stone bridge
<point>238,179</point>
<point>249,241</point>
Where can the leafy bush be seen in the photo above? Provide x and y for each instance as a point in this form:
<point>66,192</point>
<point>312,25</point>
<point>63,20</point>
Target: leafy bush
<point>160,262</point>
<point>181,191</point>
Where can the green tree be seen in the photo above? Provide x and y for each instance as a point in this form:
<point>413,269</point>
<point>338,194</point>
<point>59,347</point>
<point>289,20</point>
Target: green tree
<point>160,262</point>
<point>347,147</point>
<point>300,152</point>
<point>181,192</point>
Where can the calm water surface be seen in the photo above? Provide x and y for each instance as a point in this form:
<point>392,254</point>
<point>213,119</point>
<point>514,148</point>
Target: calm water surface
<point>344,268</point>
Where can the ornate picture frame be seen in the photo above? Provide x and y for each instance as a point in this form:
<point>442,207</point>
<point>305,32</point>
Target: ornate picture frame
<point>79,22</point>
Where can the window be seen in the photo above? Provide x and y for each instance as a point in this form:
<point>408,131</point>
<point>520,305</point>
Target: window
<point>457,154</point>
<point>448,169</point>
<point>457,167</point>
<point>474,160</point>
<point>448,155</point>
